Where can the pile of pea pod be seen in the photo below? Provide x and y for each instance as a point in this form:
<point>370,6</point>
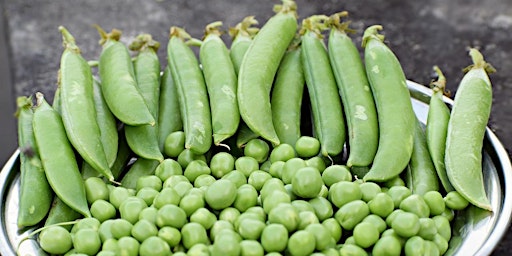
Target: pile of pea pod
<point>287,143</point>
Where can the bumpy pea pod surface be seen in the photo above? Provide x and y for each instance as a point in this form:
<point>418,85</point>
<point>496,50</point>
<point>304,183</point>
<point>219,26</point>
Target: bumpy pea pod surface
<point>329,123</point>
<point>77,105</point>
<point>242,35</point>
<point>143,139</point>
<point>437,127</point>
<point>286,100</point>
<point>35,192</point>
<point>118,81</point>
<point>466,130</point>
<point>421,173</point>
<point>356,95</point>
<point>394,108</point>
<point>192,92</point>
<point>258,68</point>
<point>221,82</point>
<point>169,116</point>
<point>58,158</point>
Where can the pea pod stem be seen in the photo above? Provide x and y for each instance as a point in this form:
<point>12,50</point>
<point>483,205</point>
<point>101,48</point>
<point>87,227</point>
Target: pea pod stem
<point>242,35</point>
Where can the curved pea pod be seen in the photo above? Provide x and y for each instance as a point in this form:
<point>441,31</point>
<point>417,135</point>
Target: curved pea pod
<point>35,193</point>
<point>244,135</point>
<point>421,174</point>
<point>143,139</point>
<point>242,35</point>
<point>77,106</point>
<point>57,156</point>
<point>169,116</point>
<point>466,130</point>
<point>356,95</point>
<point>394,108</point>
<point>286,99</point>
<point>118,81</point>
<point>192,92</point>
<point>60,212</point>
<point>221,82</point>
<point>258,68</point>
<point>328,120</point>
<point>436,129</point>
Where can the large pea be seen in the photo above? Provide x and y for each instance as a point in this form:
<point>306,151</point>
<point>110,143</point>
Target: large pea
<point>387,246</point>
<point>322,208</point>
<point>365,234</point>
<point>274,237</point>
<point>258,149</point>
<point>307,182</point>
<point>174,144</point>
<point>56,240</point>
<point>220,194</point>
<point>286,215</point>
<point>417,205</point>
<point>301,243</point>
<point>170,235</point>
<point>154,246</point>
<point>128,246</point>
<point>168,168</point>
<point>406,224</point>
<point>172,216</point>
<point>350,214</point>
<point>435,202</point>
<point>102,210</point>
<point>221,164</point>
<point>87,241</point>
<point>381,204</point>
<point>290,168</point>
<point>95,189</point>
<point>343,192</point>
<point>193,233</point>
<point>246,197</point>
<point>335,173</point>
<point>121,228</point>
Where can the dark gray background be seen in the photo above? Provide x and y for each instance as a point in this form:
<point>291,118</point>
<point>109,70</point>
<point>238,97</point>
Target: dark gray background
<point>422,34</point>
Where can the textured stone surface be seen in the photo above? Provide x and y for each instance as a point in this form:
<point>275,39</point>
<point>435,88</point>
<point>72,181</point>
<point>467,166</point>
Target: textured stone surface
<point>422,34</point>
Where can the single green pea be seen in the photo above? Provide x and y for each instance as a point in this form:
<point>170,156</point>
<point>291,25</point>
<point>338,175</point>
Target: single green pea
<point>322,235</point>
<point>187,156</point>
<point>334,228</point>
<point>193,233</point>
<point>154,246</point>
<point>350,214</point>
<point>286,215</point>
<point>174,144</point>
<point>168,195</point>
<point>173,180</point>
<point>290,168</point>
<point>111,245</point>
<point>55,240</point>
<point>455,201</point>
<point>274,199</point>
<point>381,204</point>
<point>274,237</point>
<point>301,243</point>
<point>352,249</point>
<point>121,228</point>
<point>191,202</point>
<point>221,164</point>
<point>302,205</point>
<point>204,217</point>
<point>307,182</point>
<point>415,246</point>
<point>203,180</point>
<point>170,235</point>
<point>151,181</point>
<point>183,187</point>
<point>322,208</point>
<point>365,234</point>
<point>307,218</point>
<point>143,229</point>
<point>343,192</point>
<point>168,168</point>
<point>103,210</point>
<point>307,146</point>
<point>376,221</point>
<point>336,173</point>
<point>406,224</point>
<point>443,227</point>
<point>118,195</point>
<point>220,194</point>
<point>387,246</point>
<point>147,194</point>
<point>270,186</point>
<point>283,152</point>
<point>398,193</point>
<point>196,168</point>
<point>86,223</point>
<point>415,204</point>
<point>229,214</point>
<point>237,177</point>
<point>87,241</point>
<point>128,246</point>
<point>435,202</point>
<point>130,209</point>
<point>149,214</point>
<point>258,178</point>
<point>428,228</point>
<point>172,216</point>
<point>226,243</point>
<point>246,197</point>
<point>251,248</point>
<point>317,162</point>
<point>250,229</point>
<point>369,190</point>
<point>257,149</point>
<point>276,169</point>
<point>104,230</point>
<point>218,226</point>
<point>246,165</point>
<point>95,189</point>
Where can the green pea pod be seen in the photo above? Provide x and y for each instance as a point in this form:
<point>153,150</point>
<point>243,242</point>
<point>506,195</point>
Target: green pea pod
<point>57,156</point>
<point>242,35</point>
<point>118,81</point>
<point>59,213</point>
<point>258,68</point>
<point>286,99</point>
<point>221,82</point>
<point>437,126</point>
<point>192,92</point>
<point>107,124</point>
<point>143,139</point>
<point>169,117</point>
<point>35,192</point>
<point>141,167</point>
<point>56,100</point>
<point>244,135</point>
<point>356,95</point>
<point>77,106</point>
<point>421,173</point>
<point>466,130</point>
<point>394,108</point>
<point>329,123</point>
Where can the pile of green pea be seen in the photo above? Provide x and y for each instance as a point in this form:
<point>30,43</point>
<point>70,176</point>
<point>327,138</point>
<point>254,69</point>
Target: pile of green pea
<point>285,200</point>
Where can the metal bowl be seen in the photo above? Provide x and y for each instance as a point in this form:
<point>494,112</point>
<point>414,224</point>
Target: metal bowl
<point>474,231</point>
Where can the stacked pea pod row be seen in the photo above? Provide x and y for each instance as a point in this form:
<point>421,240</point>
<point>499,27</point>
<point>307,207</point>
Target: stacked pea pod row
<point>124,124</point>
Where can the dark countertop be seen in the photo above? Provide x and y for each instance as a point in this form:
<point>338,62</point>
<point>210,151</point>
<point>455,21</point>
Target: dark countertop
<point>421,33</point>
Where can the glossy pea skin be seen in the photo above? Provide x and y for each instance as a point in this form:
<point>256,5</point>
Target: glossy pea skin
<point>143,139</point>
<point>466,130</point>
<point>437,127</point>
<point>102,210</point>
<point>78,108</point>
<point>388,246</point>
<point>55,240</point>
<point>193,233</point>
<point>58,158</point>
<point>421,175</point>
<point>286,98</point>
<point>221,83</point>
<point>258,68</point>
<point>329,123</point>
<point>169,116</point>
<point>356,96</point>
<point>35,192</point>
<point>350,214</point>
<point>118,82</point>
<point>154,246</point>
<point>389,88</point>
<point>307,182</point>
<point>87,241</point>
<point>301,243</point>
<point>192,93</point>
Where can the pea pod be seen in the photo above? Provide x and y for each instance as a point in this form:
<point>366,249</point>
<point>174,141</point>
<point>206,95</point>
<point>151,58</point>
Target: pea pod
<point>60,212</point>
<point>421,173</point>
<point>58,158</point>
<point>192,92</point>
<point>329,123</point>
<point>143,139</point>
<point>259,67</point>
<point>466,130</point>
<point>394,108</point>
<point>356,95</point>
<point>242,35</point>
<point>169,117</point>
<point>77,106</point>
<point>35,192</point>
<point>436,128</point>
<point>118,81</point>
<point>286,99</point>
<point>141,167</point>
<point>221,81</point>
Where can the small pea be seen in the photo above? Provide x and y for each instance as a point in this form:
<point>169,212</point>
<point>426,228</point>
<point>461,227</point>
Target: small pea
<point>258,178</point>
<point>168,195</point>
<point>121,228</point>
<point>350,214</point>
<point>147,194</point>
<point>369,190</point>
<point>193,233</point>
<point>276,169</point>
<point>448,213</point>
<point>102,210</point>
<point>118,195</point>
<point>307,146</point>
<point>455,201</point>
<point>220,194</point>
<point>203,180</point>
<point>336,173</point>
<point>396,181</point>
<point>387,246</point>
<point>154,246</point>
<point>174,144</point>
<point>257,149</point>
<point>435,202</point>
<point>221,164</point>
<point>398,193</point>
<point>251,248</point>
<point>229,214</point>
<point>246,165</point>
<point>149,214</point>
<point>130,209</point>
<point>317,162</point>
<point>195,169</point>
<point>343,192</point>
<point>104,230</point>
<point>95,189</point>
<point>168,168</point>
<point>55,240</point>
<point>365,234</point>
<point>143,229</point>
<point>87,241</point>
<point>283,152</point>
<point>187,156</point>
<point>170,235</point>
<point>307,218</point>
<point>406,224</point>
<point>322,208</point>
<point>172,216</point>
<point>334,228</point>
<point>381,204</point>
<point>415,204</point>
<point>204,217</point>
<point>191,202</point>
<point>286,215</point>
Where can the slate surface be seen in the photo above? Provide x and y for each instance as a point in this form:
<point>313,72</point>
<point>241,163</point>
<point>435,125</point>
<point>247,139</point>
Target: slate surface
<point>421,33</point>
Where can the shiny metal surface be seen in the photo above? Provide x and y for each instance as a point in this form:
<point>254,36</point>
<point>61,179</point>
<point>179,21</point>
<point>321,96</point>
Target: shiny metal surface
<point>474,232</point>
